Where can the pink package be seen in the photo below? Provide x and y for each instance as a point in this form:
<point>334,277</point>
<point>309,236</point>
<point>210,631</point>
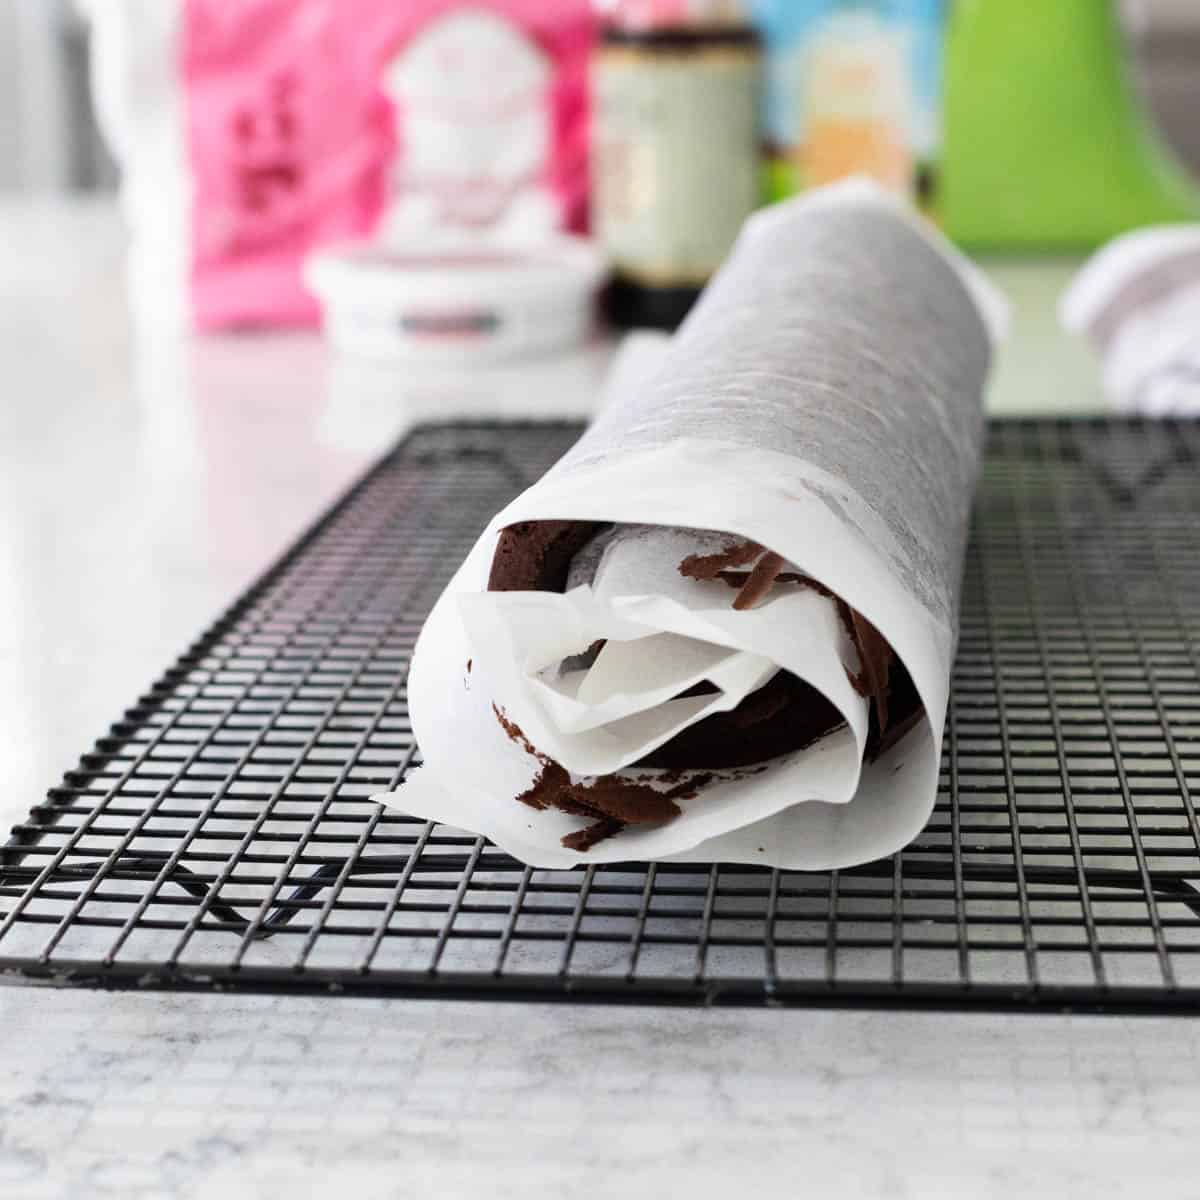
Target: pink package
<point>312,121</point>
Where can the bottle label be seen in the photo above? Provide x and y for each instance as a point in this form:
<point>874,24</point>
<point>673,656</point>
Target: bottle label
<point>675,170</point>
<point>473,126</point>
<point>852,89</point>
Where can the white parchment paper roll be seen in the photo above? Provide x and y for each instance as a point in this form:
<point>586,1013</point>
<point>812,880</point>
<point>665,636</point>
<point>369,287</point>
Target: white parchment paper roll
<point>824,399</point>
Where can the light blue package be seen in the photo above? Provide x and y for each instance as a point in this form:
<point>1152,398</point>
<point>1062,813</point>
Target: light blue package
<point>852,86</point>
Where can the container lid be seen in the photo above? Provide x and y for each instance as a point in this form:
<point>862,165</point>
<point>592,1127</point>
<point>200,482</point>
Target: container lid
<point>503,274</point>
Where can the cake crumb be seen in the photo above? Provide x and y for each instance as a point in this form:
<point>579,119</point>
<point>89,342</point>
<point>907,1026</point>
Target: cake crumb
<point>611,801</point>
<point>710,566</point>
<point>582,840</point>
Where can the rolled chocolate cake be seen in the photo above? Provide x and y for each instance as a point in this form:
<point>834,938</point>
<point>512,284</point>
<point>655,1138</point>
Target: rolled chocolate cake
<point>784,715</point>
<point>721,627</point>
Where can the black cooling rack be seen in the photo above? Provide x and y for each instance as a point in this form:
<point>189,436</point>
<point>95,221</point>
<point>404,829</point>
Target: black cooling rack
<point>220,835</point>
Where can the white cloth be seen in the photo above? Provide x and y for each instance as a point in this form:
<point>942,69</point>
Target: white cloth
<point>1138,300</point>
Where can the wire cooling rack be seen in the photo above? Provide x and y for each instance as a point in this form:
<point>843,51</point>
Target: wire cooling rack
<point>220,834</point>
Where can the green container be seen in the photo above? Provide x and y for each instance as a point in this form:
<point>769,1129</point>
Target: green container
<point>1045,145</point>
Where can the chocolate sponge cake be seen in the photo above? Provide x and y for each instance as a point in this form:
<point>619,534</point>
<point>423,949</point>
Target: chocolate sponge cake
<point>535,556</point>
<point>786,714</point>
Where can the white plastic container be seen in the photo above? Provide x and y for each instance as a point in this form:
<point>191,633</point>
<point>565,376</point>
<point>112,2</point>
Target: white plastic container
<point>457,304</point>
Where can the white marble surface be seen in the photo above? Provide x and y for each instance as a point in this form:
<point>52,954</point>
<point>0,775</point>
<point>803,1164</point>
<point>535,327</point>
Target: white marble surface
<point>141,484</point>
<point>191,1096</point>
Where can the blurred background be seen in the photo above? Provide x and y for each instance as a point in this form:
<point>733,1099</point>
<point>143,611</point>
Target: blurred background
<point>1164,38</point>
<point>452,184</point>
<point>49,138</point>
<point>589,142</point>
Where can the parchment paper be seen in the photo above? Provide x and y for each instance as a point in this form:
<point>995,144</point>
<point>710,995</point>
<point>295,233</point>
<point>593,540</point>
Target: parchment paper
<point>824,400</point>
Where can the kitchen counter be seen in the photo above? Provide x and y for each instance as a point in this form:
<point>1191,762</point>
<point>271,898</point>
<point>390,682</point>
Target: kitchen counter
<point>143,482</point>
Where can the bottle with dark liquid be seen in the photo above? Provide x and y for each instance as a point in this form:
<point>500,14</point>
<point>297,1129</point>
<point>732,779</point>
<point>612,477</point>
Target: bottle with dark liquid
<point>676,166</point>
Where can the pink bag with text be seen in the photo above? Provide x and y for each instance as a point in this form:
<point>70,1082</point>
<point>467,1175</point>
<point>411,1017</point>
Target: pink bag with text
<point>250,133</point>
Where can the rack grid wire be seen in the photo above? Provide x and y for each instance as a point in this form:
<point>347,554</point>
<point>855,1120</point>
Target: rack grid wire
<point>221,835</point>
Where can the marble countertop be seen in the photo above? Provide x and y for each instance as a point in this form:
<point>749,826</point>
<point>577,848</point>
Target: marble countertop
<point>143,482</point>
